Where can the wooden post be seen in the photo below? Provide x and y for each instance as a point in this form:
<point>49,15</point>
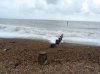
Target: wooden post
<point>42,58</point>
<point>60,38</point>
<point>57,41</point>
<point>53,45</point>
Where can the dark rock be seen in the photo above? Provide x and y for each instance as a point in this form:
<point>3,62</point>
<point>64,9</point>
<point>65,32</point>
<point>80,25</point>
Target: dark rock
<point>17,63</point>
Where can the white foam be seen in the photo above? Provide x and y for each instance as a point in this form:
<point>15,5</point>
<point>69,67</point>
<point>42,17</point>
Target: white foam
<point>85,41</point>
<point>27,36</point>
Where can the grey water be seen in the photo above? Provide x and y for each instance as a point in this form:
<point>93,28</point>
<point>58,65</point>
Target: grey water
<point>86,29</point>
<point>52,24</point>
<point>74,31</point>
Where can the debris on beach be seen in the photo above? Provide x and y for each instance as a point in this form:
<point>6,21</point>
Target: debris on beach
<point>5,49</point>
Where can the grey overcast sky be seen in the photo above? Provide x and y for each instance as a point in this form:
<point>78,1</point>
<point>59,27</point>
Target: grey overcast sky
<point>51,9</point>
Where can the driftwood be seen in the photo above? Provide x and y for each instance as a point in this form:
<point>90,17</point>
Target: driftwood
<point>17,63</point>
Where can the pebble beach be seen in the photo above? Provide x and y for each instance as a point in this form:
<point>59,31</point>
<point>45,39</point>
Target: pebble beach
<point>20,56</point>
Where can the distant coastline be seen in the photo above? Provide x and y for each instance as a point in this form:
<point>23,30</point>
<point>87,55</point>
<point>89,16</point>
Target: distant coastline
<point>51,19</point>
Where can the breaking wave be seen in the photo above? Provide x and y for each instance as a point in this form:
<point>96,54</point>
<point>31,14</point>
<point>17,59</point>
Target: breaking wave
<point>79,35</point>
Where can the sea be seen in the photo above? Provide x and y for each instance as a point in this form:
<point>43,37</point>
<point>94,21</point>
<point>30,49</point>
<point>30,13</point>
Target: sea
<point>80,32</point>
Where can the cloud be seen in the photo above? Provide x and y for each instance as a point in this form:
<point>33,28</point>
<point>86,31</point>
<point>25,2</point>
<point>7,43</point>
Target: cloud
<point>70,6</point>
<point>54,7</point>
<point>48,8</point>
<point>94,6</point>
<point>52,1</point>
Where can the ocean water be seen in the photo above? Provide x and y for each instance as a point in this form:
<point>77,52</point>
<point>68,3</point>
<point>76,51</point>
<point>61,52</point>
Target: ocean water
<point>74,31</point>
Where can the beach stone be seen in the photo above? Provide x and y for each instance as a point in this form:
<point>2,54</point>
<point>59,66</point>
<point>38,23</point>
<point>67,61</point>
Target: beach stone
<point>5,49</point>
<point>42,58</point>
<point>17,63</point>
<point>2,72</point>
<point>11,43</point>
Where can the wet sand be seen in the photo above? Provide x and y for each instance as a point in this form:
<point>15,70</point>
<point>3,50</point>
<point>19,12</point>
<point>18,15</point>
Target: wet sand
<point>20,56</point>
